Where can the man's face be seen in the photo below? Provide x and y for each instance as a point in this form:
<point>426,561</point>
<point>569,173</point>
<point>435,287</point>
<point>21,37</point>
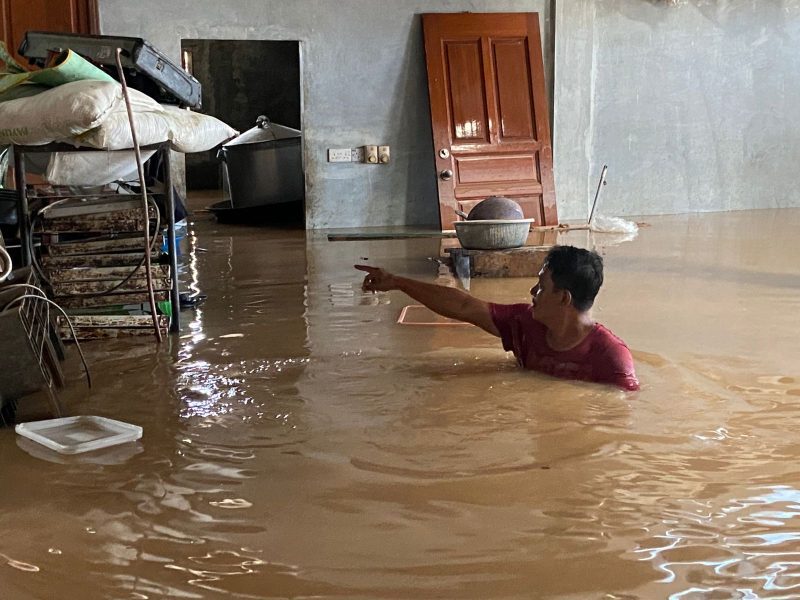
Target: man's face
<point>546,300</point>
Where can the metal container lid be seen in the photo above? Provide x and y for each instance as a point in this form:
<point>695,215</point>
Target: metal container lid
<point>264,132</point>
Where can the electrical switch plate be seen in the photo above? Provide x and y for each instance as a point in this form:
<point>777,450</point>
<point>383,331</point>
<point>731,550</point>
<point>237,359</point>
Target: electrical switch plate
<point>340,155</point>
<point>371,154</point>
<point>383,154</point>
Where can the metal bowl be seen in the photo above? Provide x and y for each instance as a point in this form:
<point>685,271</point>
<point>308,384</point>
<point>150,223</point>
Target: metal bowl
<point>496,207</point>
<point>492,234</point>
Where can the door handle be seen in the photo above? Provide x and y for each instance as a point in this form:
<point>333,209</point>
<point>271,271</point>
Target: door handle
<point>446,174</point>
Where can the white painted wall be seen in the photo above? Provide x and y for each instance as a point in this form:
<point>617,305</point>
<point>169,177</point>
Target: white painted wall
<point>694,107</point>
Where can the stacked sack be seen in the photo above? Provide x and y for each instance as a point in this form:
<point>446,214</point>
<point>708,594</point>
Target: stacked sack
<point>93,114</point>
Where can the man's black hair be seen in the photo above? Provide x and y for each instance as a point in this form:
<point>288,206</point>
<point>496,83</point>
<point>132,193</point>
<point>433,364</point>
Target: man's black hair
<point>578,271</point>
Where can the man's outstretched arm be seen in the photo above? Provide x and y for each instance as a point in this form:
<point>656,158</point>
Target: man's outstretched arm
<point>446,301</point>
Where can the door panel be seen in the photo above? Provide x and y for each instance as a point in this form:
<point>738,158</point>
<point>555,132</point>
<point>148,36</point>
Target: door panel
<point>464,68</point>
<point>496,169</point>
<point>69,16</point>
<point>529,203</point>
<point>489,112</point>
<point>514,98</point>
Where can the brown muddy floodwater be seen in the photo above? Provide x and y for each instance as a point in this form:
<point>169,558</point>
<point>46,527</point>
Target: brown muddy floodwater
<point>300,443</point>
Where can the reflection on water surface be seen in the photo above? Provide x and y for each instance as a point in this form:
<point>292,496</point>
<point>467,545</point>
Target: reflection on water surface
<point>299,442</point>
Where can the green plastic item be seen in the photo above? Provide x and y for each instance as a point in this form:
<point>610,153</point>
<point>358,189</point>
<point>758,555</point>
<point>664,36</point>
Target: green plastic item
<point>12,66</point>
<point>165,306</point>
<point>68,67</point>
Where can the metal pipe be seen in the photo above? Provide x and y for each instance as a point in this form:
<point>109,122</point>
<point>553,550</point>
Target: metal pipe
<point>23,219</point>
<point>145,207</point>
<point>597,193</point>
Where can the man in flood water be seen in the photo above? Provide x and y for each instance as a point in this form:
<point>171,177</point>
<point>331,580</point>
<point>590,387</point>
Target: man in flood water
<point>554,334</point>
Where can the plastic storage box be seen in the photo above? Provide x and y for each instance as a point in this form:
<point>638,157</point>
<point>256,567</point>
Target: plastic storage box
<point>73,435</point>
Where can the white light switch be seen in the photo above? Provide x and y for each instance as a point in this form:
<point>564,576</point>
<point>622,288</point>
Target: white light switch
<point>339,155</point>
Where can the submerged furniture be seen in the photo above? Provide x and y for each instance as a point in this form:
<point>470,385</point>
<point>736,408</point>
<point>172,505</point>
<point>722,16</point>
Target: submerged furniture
<point>26,238</point>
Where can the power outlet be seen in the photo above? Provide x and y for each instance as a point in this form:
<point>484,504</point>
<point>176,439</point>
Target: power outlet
<point>357,154</point>
<point>339,155</point>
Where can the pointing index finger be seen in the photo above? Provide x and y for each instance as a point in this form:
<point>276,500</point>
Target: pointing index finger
<point>366,268</point>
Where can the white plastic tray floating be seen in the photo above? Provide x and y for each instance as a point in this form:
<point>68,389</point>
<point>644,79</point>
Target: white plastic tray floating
<point>73,435</point>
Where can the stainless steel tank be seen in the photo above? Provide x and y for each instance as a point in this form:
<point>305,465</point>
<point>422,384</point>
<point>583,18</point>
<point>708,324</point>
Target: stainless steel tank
<point>264,165</point>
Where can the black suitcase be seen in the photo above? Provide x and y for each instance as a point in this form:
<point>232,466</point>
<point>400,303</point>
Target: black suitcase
<point>146,69</point>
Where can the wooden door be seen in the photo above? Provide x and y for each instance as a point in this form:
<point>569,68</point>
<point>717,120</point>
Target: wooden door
<point>491,131</point>
<point>67,16</point>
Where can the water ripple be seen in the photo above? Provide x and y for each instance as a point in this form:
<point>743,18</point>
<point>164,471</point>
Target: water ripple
<point>729,543</point>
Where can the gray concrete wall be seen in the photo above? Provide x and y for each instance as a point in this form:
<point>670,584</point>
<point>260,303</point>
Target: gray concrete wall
<point>694,106</point>
<point>364,81</point>
<point>572,112</point>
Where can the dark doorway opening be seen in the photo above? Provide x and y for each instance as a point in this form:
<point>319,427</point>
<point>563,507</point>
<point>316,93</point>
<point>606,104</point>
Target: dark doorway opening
<point>241,80</point>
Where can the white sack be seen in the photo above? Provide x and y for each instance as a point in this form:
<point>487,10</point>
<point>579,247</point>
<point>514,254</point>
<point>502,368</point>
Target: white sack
<point>196,132</point>
<point>92,168</point>
<point>64,111</point>
<point>115,131</point>
<point>187,131</point>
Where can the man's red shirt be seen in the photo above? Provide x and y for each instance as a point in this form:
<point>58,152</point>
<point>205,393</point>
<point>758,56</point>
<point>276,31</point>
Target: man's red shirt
<point>600,357</point>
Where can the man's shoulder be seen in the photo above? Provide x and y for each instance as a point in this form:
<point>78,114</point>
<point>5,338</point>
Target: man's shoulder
<point>516,325</point>
<point>607,341</point>
<point>509,311</point>
<point>608,336</point>
<point>614,360</point>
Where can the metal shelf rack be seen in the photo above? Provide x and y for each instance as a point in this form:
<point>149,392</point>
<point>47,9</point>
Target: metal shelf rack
<point>20,153</point>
